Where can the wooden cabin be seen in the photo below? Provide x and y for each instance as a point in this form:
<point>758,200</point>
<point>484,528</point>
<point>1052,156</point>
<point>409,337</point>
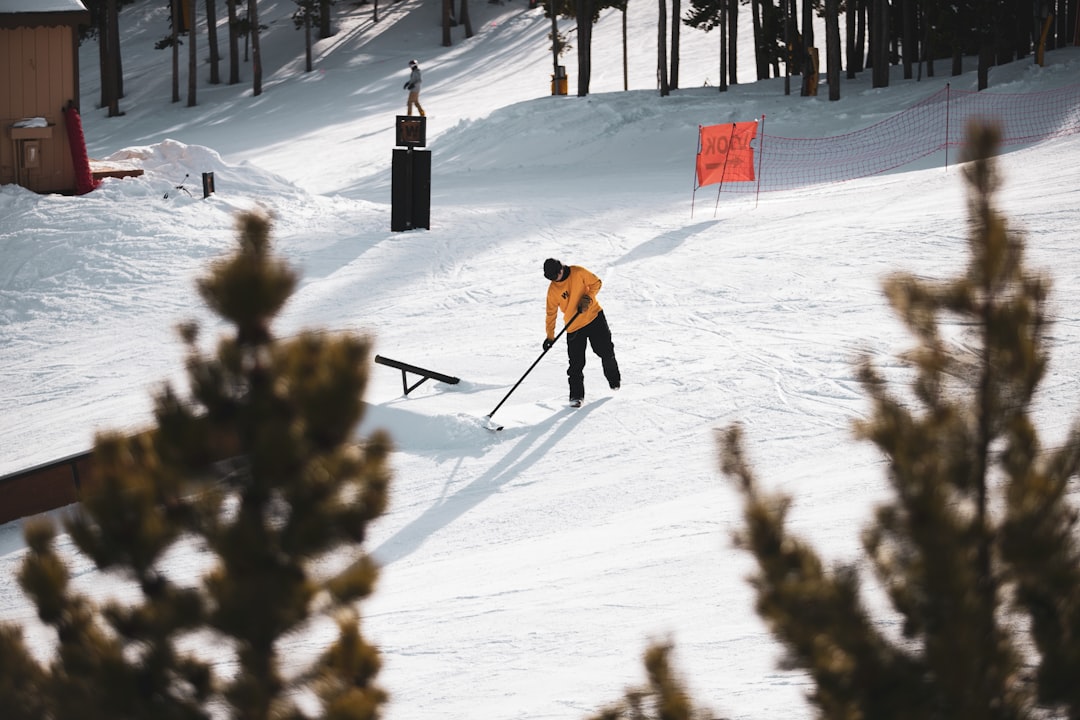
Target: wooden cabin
<point>39,76</point>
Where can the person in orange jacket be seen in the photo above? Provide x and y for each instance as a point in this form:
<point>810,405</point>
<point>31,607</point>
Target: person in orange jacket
<point>573,290</point>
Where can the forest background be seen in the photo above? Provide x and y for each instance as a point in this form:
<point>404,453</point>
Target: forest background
<point>919,35</point>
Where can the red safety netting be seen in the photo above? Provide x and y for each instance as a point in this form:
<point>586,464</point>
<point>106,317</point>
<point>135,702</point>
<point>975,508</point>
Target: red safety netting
<point>937,124</point>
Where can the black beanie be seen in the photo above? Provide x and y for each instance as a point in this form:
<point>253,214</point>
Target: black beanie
<point>552,269</point>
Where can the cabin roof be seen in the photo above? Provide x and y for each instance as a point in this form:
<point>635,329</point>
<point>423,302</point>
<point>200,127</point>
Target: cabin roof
<point>31,13</point>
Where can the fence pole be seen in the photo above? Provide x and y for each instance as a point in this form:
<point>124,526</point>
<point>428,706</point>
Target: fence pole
<point>760,157</point>
<point>727,154</point>
<point>948,102</point>
<point>693,194</point>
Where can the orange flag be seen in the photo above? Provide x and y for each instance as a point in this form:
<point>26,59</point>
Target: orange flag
<point>724,153</point>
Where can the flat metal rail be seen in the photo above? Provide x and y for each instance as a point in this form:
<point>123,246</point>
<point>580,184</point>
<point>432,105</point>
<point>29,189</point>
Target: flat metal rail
<point>424,373</point>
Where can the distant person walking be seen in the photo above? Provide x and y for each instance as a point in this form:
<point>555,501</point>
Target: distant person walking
<point>573,289</point>
<point>413,86</point>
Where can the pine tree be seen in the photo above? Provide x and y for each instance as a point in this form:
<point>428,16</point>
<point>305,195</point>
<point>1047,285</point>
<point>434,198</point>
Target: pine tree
<point>259,470</point>
<point>20,679</point>
<point>664,698</point>
<point>977,551</point>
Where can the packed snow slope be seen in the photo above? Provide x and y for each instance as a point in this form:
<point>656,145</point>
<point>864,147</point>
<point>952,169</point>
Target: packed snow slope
<point>523,571</point>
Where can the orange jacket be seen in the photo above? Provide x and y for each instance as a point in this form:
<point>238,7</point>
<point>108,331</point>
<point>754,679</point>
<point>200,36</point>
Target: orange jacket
<point>565,295</point>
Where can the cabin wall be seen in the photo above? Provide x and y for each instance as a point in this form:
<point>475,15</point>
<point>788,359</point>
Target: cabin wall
<point>38,76</point>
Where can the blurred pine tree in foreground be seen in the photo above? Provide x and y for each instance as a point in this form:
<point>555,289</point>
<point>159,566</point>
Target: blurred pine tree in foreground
<point>294,492</point>
<point>977,551</point>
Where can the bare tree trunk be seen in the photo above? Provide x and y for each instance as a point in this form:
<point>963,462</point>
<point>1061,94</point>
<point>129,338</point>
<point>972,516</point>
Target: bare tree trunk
<point>860,35</point>
<point>1023,40</point>
<point>109,57</point>
<point>1006,23</point>
<point>990,22</point>
<point>959,37</point>
<point>849,25</point>
<point>114,52</point>
<point>807,25</point>
<point>771,31</point>
<point>676,24</point>
<point>584,11</point>
<point>832,47</point>
<point>234,45</point>
<point>789,37</point>
<point>256,54</point>
<point>927,48</point>
<point>625,64</point>
<point>722,25</point>
<point>986,61</point>
<point>175,50</point>
<point>193,59</point>
<point>806,62</point>
<point>211,40</point>
<point>661,50</point>
<point>733,37</point>
<point>1061,37</point>
<point>325,28</point>
<point>447,11</point>
<point>103,57</point>
<point>308,66</point>
<point>465,19</point>
<point>910,38</point>
<point>879,44</point>
<point>761,60</point>
<point>554,45</point>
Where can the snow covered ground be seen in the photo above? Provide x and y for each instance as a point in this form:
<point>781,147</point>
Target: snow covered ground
<point>524,571</point>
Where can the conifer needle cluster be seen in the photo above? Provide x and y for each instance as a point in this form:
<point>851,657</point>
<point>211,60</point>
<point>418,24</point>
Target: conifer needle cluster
<point>977,550</point>
<point>258,469</point>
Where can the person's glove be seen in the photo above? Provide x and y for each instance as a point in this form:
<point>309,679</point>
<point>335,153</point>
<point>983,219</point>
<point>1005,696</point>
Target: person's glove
<point>548,342</point>
<point>584,303</point>
<point>409,86</point>
<point>406,86</point>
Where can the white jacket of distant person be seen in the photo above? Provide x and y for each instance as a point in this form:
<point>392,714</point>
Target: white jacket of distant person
<point>413,86</point>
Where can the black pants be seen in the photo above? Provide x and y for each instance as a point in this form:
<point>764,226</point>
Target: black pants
<point>598,334</point>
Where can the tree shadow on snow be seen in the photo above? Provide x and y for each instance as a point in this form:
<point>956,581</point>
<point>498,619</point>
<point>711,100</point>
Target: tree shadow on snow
<point>532,445</point>
<point>665,243</point>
